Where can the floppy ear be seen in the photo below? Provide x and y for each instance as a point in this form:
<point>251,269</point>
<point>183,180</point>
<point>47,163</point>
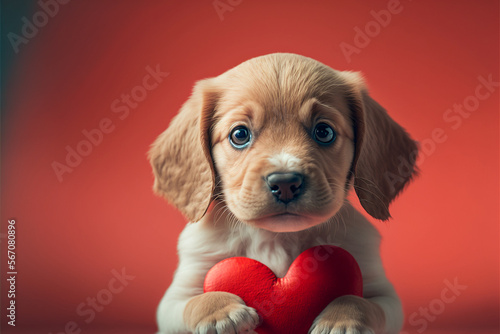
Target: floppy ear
<point>384,160</point>
<point>180,156</point>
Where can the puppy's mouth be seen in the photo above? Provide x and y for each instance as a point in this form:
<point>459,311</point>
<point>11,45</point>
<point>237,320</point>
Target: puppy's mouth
<point>285,222</point>
<point>284,214</point>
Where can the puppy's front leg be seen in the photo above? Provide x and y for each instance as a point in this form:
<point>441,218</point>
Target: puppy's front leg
<point>350,314</point>
<point>220,312</point>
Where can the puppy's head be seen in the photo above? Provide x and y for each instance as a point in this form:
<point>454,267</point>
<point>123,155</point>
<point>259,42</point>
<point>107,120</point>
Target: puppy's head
<point>280,139</point>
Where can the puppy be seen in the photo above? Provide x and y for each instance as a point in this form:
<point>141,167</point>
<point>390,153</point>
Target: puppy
<point>261,159</point>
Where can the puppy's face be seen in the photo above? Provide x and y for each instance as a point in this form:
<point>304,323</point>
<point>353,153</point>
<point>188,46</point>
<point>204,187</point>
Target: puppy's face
<point>279,139</point>
<point>283,166</point>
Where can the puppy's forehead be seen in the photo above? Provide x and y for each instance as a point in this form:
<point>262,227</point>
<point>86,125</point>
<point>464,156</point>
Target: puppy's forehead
<point>280,84</point>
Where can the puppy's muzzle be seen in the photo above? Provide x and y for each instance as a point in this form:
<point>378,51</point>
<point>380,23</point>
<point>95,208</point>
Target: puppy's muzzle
<point>285,186</point>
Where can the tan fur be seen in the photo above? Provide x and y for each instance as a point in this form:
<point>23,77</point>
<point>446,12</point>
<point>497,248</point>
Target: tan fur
<point>350,313</point>
<point>217,307</point>
<point>180,157</point>
<point>381,148</point>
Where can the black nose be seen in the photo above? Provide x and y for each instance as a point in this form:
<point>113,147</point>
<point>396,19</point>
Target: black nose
<point>285,186</point>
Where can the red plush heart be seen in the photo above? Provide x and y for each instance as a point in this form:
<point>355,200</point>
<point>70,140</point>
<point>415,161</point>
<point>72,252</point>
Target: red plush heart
<point>291,303</point>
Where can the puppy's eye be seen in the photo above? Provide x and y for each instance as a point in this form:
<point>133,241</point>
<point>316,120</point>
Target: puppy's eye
<point>324,134</point>
<point>240,137</point>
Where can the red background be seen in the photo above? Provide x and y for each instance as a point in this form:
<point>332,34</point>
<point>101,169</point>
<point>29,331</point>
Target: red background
<point>104,216</point>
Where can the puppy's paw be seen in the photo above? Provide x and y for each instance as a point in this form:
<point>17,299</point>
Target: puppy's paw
<point>340,328</point>
<point>349,315</point>
<point>220,313</point>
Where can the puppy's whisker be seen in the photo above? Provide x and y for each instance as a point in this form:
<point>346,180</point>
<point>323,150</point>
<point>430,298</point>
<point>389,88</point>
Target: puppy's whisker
<point>219,211</point>
<point>375,195</point>
<point>373,184</point>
